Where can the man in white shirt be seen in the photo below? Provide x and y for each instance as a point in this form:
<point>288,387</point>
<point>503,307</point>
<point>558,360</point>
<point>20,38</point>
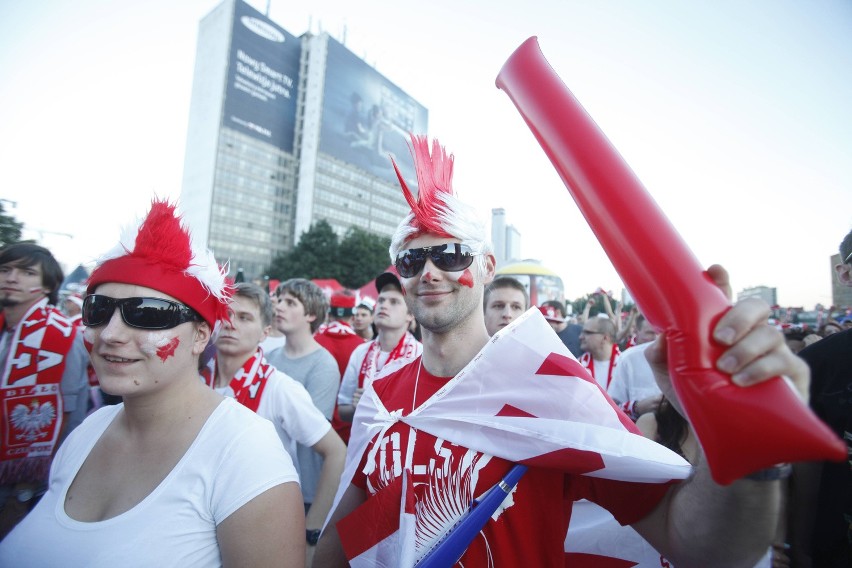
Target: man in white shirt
<point>393,343</point>
<point>633,384</point>
<point>600,352</point>
<point>239,370</point>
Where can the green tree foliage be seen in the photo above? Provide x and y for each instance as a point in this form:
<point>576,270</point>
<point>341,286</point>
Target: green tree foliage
<point>10,228</point>
<point>314,256</point>
<point>355,260</point>
<point>362,256</point>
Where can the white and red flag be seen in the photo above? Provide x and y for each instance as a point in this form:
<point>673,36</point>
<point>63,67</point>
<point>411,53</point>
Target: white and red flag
<point>596,540</point>
<point>526,399</point>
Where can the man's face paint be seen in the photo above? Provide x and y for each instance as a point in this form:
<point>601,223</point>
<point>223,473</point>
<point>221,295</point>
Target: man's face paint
<point>466,278</point>
<point>168,349</point>
<point>163,345</point>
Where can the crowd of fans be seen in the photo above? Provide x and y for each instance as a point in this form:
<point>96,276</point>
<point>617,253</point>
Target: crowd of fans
<point>215,410</point>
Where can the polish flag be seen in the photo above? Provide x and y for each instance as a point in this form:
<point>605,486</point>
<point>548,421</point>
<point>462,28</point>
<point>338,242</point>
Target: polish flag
<point>380,532</point>
<point>526,399</point>
<point>596,540</point>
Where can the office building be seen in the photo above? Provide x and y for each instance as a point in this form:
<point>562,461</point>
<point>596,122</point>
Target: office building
<point>505,238</point>
<point>285,131</point>
<point>765,293</point>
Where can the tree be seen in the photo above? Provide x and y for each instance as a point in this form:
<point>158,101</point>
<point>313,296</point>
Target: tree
<point>362,256</point>
<point>10,228</point>
<point>315,256</point>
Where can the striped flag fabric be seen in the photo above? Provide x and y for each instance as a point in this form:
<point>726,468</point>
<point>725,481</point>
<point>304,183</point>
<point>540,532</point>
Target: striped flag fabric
<point>526,399</point>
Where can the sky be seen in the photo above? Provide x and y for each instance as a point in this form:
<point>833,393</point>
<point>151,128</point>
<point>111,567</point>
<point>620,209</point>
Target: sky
<point>736,116</point>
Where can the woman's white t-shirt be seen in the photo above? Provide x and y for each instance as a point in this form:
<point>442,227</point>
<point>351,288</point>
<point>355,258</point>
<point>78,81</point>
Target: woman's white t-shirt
<point>236,456</point>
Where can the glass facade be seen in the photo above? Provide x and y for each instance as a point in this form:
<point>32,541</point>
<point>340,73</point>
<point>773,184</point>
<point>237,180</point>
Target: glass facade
<point>256,174</point>
<point>345,196</point>
<point>252,210</point>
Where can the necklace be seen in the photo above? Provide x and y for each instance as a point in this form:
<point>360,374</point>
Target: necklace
<point>416,382</point>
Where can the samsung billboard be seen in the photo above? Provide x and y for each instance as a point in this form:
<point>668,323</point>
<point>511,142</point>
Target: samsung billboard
<point>365,117</point>
<point>263,76</point>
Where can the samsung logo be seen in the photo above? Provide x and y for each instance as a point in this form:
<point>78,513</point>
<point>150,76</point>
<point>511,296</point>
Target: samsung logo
<point>262,29</point>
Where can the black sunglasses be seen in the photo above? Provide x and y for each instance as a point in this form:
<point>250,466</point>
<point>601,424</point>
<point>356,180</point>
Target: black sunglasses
<point>450,257</point>
<point>142,313</point>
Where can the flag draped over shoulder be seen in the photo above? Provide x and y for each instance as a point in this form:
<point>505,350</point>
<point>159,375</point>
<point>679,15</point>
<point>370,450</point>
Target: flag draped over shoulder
<point>526,399</point>
<point>596,540</point>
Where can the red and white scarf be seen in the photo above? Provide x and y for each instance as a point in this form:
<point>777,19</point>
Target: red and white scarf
<point>248,383</point>
<point>407,349</point>
<point>30,393</point>
<point>589,363</point>
<point>335,328</point>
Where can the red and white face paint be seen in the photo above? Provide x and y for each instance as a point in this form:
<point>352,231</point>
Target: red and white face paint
<point>441,300</point>
<point>466,278</point>
<point>162,344</point>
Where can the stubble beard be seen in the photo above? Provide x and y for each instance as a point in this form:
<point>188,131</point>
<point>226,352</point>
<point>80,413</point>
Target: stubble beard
<point>440,320</point>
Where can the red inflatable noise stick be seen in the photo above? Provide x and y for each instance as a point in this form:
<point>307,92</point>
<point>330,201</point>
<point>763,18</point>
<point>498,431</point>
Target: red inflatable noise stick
<point>741,430</point>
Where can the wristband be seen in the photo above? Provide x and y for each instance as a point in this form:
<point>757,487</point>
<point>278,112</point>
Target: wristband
<point>312,536</point>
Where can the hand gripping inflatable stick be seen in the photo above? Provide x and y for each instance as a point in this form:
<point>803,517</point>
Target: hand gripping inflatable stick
<point>741,430</point>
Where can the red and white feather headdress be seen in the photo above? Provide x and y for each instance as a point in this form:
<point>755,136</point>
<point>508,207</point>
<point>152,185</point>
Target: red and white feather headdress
<point>158,253</point>
<point>436,210</point>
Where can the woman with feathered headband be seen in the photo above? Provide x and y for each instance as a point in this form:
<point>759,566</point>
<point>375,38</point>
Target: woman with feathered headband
<point>176,475</point>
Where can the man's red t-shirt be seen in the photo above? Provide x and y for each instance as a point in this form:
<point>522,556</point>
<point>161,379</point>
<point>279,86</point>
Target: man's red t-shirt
<point>530,528</point>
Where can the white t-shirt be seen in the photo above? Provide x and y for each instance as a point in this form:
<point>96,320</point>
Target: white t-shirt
<point>349,382</point>
<point>289,407</point>
<point>633,378</point>
<point>235,457</point>
<point>271,343</point>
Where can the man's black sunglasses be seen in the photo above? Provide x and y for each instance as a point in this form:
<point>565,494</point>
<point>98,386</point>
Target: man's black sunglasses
<point>142,313</point>
<point>450,257</point>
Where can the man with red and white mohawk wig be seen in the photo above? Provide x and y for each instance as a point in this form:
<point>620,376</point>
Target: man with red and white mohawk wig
<point>475,411</point>
<point>175,463</point>
<point>437,209</point>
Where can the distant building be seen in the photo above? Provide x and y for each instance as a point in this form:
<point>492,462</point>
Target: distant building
<point>505,238</point>
<point>765,293</point>
<point>284,131</point>
<point>841,296</point>
<point>542,283</point>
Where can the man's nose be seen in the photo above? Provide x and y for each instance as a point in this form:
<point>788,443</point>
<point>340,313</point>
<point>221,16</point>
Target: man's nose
<point>113,329</point>
<point>429,271</point>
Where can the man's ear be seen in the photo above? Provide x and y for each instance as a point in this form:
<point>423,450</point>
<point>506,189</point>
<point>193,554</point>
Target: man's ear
<point>844,274</point>
<point>490,269</point>
<point>201,338</point>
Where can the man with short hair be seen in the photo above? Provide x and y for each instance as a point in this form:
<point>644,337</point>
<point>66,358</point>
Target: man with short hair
<point>437,433</point>
<point>633,384</point>
<point>240,370</point>
<point>555,313</point>
<point>505,299</point>
<point>300,310</point>
<point>820,532</point>
<point>600,352</point>
<point>43,377</point>
<point>393,345</point>
<point>362,319</point>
